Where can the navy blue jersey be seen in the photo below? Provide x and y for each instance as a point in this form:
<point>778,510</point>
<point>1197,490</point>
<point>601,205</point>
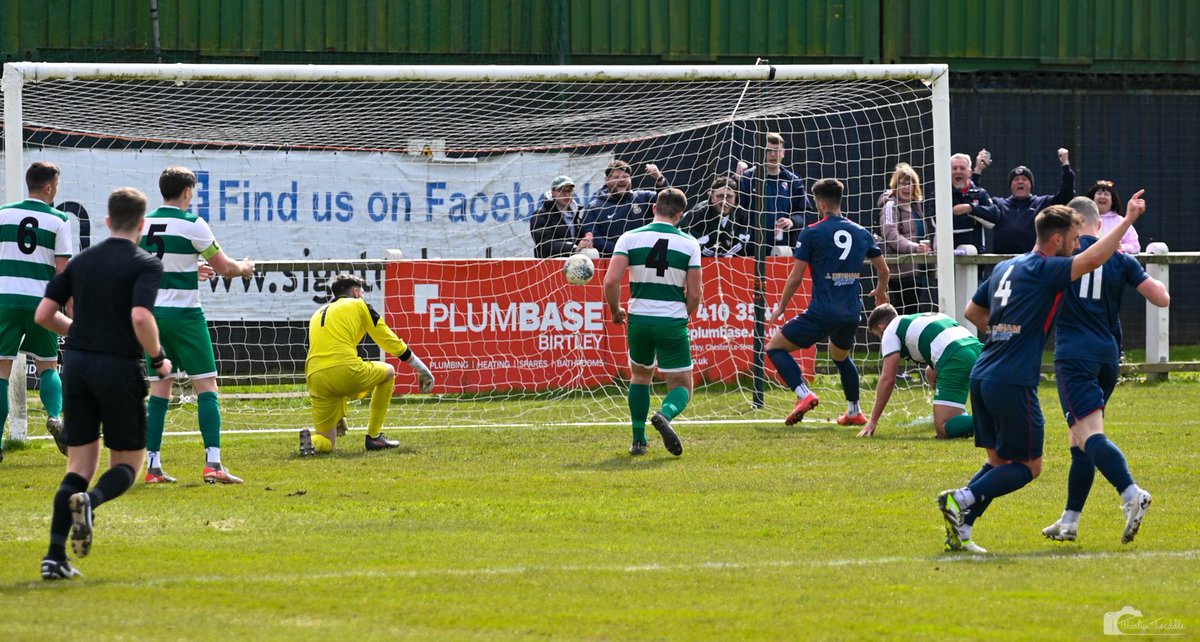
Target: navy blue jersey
<point>1023,294</point>
<point>834,249</point>
<point>1089,325</point>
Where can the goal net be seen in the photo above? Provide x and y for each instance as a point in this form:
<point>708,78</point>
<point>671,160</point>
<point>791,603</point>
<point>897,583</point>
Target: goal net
<point>424,182</point>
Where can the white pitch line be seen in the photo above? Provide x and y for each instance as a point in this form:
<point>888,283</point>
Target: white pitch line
<point>649,568</point>
<point>539,426</point>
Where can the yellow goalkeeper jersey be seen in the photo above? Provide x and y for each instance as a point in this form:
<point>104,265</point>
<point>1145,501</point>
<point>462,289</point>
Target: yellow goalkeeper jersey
<point>337,327</point>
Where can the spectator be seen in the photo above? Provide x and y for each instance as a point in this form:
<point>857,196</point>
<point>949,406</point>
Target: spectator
<point>718,223</point>
<point>903,223</point>
<point>1014,233</point>
<point>557,226</point>
<point>974,211</point>
<point>1108,201</point>
<point>776,202</point>
<point>615,209</point>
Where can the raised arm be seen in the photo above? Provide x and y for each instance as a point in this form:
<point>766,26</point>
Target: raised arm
<point>1066,188</point>
<point>228,267</point>
<point>1098,253</point>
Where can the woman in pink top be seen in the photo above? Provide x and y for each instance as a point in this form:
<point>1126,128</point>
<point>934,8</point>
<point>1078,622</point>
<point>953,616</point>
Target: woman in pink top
<point>1108,201</point>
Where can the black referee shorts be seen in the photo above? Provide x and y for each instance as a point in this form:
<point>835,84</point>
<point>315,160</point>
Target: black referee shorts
<point>104,390</point>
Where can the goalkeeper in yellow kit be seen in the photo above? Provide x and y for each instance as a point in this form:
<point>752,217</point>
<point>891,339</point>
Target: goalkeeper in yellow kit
<point>334,371</point>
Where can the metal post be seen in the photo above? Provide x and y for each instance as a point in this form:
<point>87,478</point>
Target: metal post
<point>947,296</point>
<point>14,160</point>
<point>1158,322</point>
<point>154,24</point>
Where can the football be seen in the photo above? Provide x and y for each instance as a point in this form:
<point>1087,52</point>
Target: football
<point>579,269</point>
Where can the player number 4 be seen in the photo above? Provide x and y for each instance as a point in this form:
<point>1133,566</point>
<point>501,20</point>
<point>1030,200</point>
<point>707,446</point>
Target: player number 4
<point>1004,289</point>
<point>1095,283</point>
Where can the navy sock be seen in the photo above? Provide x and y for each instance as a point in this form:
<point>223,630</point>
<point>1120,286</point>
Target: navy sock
<point>1000,481</point>
<point>849,374</point>
<point>972,512</point>
<point>1109,460</point>
<point>788,369</point>
<point>112,484</point>
<point>1079,479</point>
<point>60,522</point>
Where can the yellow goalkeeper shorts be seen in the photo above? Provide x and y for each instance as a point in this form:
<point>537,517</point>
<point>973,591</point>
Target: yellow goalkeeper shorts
<point>329,389</point>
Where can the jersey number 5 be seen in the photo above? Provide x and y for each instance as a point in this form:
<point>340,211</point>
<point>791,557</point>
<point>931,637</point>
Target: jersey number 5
<point>657,258</point>
<point>154,240</point>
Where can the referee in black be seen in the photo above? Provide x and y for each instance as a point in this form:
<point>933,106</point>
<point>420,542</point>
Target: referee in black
<point>113,285</point>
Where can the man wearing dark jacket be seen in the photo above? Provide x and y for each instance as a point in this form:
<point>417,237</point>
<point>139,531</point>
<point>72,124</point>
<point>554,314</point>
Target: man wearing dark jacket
<point>1014,233</point>
<point>557,225</point>
<point>717,222</point>
<point>974,210</point>
<point>615,209</point>
<point>775,199</point>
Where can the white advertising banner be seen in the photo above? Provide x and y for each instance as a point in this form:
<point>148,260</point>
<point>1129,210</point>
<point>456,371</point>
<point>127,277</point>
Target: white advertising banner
<point>273,205</point>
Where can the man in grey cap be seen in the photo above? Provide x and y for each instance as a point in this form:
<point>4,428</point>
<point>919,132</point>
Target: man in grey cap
<point>557,226</point>
<point>1014,232</point>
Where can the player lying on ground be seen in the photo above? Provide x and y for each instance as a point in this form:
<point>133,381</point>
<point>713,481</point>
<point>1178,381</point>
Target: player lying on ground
<point>334,372</point>
<point>947,350</point>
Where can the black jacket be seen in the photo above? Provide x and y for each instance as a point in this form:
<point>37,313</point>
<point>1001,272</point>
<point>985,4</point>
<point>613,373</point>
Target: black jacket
<point>718,235</point>
<point>552,236</point>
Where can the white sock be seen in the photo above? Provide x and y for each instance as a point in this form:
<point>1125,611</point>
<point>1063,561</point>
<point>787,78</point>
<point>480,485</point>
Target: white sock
<point>153,459</point>
<point>964,533</point>
<point>852,408</point>
<point>964,497</point>
<point>1070,517</point>
<point>1128,494</point>
<point>802,391</point>
<point>212,455</point>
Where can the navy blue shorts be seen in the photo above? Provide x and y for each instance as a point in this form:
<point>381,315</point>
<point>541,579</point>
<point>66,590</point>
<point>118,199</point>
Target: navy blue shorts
<point>1008,418</point>
<point>806,331</point>
<point>1084,386</point>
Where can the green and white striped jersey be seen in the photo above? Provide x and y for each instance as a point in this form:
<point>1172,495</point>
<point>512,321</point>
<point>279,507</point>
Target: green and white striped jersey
<point>659,259</point>
<point>924,338</point>
<point>32,234</point>
<point>178,239</point>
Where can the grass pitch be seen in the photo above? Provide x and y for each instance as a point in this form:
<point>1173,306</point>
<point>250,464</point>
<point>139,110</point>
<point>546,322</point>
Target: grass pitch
<point>757,532</point>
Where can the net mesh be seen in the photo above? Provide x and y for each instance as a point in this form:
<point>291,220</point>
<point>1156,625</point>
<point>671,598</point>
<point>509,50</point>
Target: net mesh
<point>450,174</point>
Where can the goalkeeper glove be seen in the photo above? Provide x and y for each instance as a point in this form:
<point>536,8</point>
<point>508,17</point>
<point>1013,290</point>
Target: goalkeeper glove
<point>424,376</point>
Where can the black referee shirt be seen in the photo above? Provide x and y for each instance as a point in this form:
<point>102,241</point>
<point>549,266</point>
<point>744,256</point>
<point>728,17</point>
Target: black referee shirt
<point>107,281</point>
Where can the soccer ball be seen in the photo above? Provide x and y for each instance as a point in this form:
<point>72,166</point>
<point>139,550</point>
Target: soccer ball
<point>579,269</point>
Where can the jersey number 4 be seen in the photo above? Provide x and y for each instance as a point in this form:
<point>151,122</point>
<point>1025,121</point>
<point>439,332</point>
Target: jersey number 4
<point>1004,288</point>
<point>657,258</point>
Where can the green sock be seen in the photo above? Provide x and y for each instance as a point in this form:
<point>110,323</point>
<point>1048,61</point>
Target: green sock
<point>676,401</point>
<point>3,407</point>
<point>50,390</point>
<point>209,412</point>
<point>639,407</point>
<point>960,426</point>
<point>156,420</point>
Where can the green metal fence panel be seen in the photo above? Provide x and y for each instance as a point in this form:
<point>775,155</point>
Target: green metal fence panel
<point>1132,36</point>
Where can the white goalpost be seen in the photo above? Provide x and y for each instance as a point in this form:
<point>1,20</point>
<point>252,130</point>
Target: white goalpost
<point>316,170</point>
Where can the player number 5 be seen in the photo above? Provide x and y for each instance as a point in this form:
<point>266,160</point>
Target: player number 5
<point>156,241</point>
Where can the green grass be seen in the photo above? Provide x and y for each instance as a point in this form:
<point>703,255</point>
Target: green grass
<point>758,532</point>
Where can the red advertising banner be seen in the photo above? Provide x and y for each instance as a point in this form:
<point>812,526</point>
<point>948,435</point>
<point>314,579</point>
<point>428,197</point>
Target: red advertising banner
<point>515,324</point>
